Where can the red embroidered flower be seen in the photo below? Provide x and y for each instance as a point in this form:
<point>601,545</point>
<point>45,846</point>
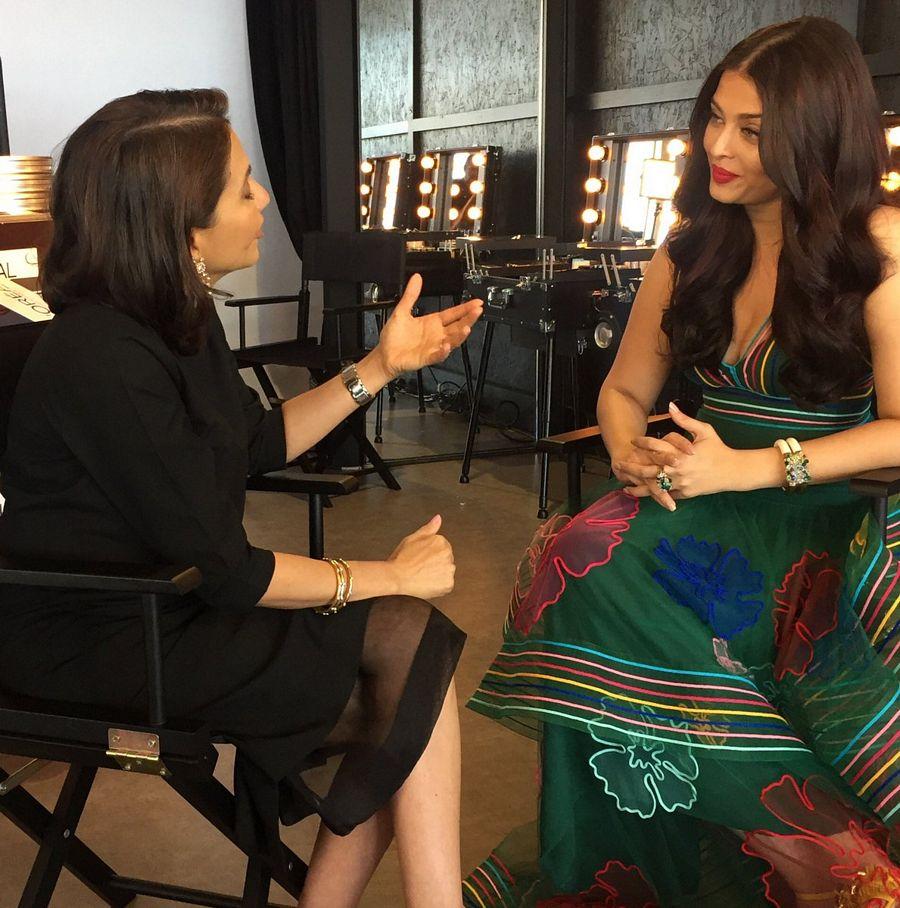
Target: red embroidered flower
<point>568,546</point>
<point>833,843</point>
<point>617,886</point>
<point>807,611</point>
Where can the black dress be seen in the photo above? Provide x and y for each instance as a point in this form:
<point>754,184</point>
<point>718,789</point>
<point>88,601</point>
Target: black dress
<point>120,449</point>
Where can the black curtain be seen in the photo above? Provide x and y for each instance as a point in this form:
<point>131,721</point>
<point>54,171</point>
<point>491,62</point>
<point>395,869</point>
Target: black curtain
<point>283,65</point>
<point>4,131</point>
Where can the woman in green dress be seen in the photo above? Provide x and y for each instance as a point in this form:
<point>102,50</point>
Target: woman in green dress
<point>710,675</point>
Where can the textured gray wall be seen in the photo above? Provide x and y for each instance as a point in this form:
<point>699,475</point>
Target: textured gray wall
<point>649,42</point>
<point>477,54</point>
<point>384,60</point>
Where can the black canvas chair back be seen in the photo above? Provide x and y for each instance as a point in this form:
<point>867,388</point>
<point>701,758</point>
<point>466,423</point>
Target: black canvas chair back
<point>366,257</point>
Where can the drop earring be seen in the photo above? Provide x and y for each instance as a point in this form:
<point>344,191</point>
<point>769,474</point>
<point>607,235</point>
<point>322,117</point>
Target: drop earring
<point>200,265</point>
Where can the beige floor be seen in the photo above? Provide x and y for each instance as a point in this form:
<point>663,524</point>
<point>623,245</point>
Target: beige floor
<point>142,829</point>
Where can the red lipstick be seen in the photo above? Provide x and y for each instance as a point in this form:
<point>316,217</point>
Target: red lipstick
<point>721,175</point>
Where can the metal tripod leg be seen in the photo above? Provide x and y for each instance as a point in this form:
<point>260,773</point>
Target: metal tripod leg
<point>544,456</point>
<point>476,403</point>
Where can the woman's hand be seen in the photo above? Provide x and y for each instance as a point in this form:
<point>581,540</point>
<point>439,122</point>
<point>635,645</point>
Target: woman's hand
<point>410,342</point>
<point>424,563</point>
<point>710,466</point>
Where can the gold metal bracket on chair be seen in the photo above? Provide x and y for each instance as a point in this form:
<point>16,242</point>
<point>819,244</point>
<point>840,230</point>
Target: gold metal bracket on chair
<point>136,751</point>
<point>15,779</point>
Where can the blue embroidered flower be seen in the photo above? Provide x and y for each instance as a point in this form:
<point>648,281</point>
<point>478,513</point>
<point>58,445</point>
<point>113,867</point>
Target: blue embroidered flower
<point>642,775</point>
<point>714,584</point>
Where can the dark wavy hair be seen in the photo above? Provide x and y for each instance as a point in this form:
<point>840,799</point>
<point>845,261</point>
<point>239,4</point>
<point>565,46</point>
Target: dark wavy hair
<point>132,181</point>
<point>821,143</point>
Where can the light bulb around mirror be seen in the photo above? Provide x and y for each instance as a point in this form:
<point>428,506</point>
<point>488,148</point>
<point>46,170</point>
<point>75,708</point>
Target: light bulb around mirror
<point>427,162</point>
<point>476,186</point>
<point>454,213</point>
<point>676,147</point>
<point>366,167</point>
<point>454,190</point>
<point>590,215</point>
<point>365,189</point>
<point>479,159</point>
<point>425,187</point>
<point>423,211</point>
<point>474,213</point>
<point>597,152</point>
<point>594,184</point>
<point>893,137</point>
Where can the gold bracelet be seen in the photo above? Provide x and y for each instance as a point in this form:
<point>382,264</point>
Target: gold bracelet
<point>344,587</point>
<point>796,465</point>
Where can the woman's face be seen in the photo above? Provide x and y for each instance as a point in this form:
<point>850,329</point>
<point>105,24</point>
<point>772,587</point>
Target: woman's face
<point>731,142</point>
<point>232,241</point>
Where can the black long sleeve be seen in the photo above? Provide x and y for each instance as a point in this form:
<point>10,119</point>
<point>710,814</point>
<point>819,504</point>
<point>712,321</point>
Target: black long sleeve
<point>120,449</point>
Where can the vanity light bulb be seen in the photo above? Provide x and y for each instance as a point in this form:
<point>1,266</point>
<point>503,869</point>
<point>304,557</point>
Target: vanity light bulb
<point>366,167</point>
<point>365,189</point>
<point>423,211</point>
<point>676,147</point>
<point>363,210</point>
<point>594,184</point>
<point>597,152</point>
<point>590,215</point>
<point>427,162</point>
<point>474,213</point>
<point>479,159</point>
<point>476,186</point>
<point>425,187</point>
<point>454,213</point>
<point>454,190</point>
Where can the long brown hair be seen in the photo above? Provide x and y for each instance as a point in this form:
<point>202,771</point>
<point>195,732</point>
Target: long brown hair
<point>822,144</point>
<point>132,181</point>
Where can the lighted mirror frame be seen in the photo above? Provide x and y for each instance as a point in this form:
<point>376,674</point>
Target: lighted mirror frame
<point>614,209</point>
<point>455,189</point>
<point>891,181</point>
<point>384,191</point>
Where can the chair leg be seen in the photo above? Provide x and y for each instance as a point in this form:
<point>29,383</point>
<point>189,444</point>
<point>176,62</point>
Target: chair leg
<point>213,800</point>
<point>34,819</point>
<point>256,884</point>
<point>379,416</point>
<point>476,403</point>
<point>266,384</point>
<point>57,837</point>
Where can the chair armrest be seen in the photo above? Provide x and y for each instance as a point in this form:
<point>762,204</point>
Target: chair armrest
<point>877,483</point>
<point>590,439</point>
<point>137,579</point>
<point>380,306</point>
<point>261,301</point>
<point>294,480</point>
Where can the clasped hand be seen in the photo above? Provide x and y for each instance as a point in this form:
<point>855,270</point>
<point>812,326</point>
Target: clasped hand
<point>701,466</point>
<point>409,342</point>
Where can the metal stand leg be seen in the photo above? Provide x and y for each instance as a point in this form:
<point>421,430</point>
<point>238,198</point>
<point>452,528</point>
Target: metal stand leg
<point>420,386</point>
<point>379,401</point>
<point>576,397</point>
<point>544,456</point>
<point>476,403</point>
<point>467,370</point>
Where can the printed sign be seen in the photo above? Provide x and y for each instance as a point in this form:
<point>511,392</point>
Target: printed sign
<point>18,263</point>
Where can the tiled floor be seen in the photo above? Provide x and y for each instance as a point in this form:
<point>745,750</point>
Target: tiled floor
<point>141,828</point>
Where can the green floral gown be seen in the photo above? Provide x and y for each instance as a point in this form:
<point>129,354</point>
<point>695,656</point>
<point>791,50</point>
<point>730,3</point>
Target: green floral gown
<point>713,689</point>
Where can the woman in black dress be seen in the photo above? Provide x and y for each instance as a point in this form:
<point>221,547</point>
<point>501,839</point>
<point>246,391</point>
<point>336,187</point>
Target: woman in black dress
<point>130,439</point>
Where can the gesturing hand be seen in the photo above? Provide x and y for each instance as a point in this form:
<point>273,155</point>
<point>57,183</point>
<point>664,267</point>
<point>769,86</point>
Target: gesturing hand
<point>410,342</point>
<point>424,562</point>
<point>710,466</point>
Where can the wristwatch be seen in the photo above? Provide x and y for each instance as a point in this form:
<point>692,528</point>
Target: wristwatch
<point>353,383</point>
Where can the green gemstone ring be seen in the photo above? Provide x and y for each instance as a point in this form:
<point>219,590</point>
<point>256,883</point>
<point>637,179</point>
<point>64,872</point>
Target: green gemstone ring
<point>663,480</point>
